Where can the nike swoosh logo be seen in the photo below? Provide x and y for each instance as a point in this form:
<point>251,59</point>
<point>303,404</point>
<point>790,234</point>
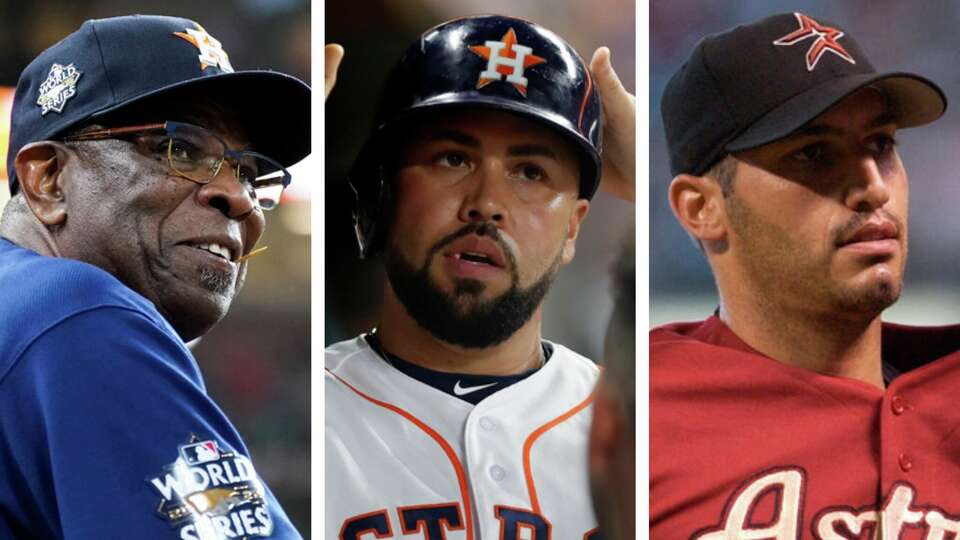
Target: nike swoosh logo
<point>462,391</point>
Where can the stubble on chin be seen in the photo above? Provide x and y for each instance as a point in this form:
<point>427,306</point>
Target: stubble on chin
<point>871,298</point>
<point>782,271</point>
<point>215,281</point>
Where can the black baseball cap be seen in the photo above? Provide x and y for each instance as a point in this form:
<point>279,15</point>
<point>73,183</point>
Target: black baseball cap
<point>760,82</point>
<point>109,64</point>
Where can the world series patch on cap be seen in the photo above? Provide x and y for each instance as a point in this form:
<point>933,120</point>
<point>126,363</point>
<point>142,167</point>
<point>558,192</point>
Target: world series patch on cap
<point>109,64</point>
<point>757,83</point>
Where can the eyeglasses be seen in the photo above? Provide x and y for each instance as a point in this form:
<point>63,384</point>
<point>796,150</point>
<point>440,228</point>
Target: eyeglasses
<point>197,154</point>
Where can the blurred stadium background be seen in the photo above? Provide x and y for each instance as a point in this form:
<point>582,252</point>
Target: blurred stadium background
<point>578,307</point>
<point>256,361</point>
<point>897,36</point>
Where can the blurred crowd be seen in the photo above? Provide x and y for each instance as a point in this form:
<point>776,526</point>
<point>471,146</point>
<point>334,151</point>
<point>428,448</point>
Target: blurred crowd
<point>897,37</point>
<point>256,361</point>
<point>579,305</point>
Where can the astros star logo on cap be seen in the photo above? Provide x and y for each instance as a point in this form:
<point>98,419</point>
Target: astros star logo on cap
<point>211,52</point>
<point>506,58</point>
<point>825,40</point>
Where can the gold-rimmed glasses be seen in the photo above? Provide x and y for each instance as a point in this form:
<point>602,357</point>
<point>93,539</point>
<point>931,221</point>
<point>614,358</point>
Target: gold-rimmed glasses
<point>198,154</point>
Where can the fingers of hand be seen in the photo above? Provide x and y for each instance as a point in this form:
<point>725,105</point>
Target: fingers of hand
<point>333,53</point>
<point>614,96</point>
<point>603,72</point>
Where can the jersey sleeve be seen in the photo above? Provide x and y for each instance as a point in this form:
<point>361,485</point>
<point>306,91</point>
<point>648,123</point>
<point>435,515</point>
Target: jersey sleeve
<point>106,431</point>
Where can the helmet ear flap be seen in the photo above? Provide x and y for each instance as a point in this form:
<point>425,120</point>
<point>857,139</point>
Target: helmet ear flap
<point>370,212</point>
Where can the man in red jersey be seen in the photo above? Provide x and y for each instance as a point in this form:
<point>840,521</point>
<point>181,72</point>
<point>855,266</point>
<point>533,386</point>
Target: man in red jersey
<point>794,412</point>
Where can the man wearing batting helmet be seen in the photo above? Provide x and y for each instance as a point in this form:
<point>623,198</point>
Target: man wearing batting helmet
<point>454,418</point>
<point>140,166</point>
<point>794,411</point>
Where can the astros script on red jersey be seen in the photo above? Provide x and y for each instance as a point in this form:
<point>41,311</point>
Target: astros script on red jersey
<point>406,460</point>
<point>743,446</point>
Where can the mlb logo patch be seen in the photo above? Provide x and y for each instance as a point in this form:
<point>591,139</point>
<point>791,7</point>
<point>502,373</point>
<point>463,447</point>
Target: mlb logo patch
<point>200,452</point>
<point>211,493</point>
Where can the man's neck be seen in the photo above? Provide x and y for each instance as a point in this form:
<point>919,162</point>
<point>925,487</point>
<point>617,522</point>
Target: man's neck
<point>837,345</point>
<point>400,335</point>
<point>27,232</point>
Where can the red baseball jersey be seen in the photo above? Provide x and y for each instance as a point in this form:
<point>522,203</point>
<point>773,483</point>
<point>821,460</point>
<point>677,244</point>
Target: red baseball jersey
<point>745,447</point>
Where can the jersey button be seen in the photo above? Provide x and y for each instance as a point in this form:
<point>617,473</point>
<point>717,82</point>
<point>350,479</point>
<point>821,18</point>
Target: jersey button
<point>488,424</point>
<point>905,463</point>
<point>497,473</point>
<point>898,404</point>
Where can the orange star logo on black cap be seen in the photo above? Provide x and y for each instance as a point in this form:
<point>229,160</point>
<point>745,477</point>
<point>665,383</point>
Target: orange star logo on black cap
<point>211,51</point>
<point>825,39</point>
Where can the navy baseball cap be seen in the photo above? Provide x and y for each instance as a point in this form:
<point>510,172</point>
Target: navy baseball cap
<point>109,64</point>
<point>757,83</point>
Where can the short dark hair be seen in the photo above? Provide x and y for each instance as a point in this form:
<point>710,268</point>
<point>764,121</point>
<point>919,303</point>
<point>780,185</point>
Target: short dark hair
<point>724,172</point>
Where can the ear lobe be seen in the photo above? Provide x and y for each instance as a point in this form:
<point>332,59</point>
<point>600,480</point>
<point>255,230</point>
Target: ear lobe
<point>697,202</point>
<point>39,169</point>
<point>573,229</point>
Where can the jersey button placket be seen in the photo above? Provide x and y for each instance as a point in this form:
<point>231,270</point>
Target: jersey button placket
<point>492,471</point>
<point>496,472</point>
<point>905,462</point>
<point>898,405</point>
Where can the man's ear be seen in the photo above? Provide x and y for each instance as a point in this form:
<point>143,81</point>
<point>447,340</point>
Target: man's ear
<point>697,202</point>
<point>39,167</point>
<point>573,229</point>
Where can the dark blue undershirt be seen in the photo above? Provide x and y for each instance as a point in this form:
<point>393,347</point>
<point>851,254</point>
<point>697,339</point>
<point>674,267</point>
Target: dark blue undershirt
<point>889,373</point>
<point>470,388</point>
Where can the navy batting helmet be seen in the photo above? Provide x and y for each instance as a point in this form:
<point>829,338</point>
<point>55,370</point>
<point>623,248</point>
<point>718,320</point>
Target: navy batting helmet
<point>486,61</point>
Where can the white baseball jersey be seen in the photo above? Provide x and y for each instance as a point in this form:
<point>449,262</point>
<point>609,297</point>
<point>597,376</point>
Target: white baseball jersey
<point>406,460</point>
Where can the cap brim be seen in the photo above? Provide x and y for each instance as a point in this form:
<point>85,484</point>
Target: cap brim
<point>274,108</point>
<point>913,100</point>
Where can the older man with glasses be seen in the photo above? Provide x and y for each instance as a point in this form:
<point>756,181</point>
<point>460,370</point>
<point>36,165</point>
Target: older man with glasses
<point>140,167</point>
<point>198,154</point>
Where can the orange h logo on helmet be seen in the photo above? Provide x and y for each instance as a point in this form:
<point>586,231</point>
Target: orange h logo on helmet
<point>506,58</point>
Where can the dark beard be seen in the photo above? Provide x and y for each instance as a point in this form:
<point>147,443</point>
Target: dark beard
<point>461,318</point>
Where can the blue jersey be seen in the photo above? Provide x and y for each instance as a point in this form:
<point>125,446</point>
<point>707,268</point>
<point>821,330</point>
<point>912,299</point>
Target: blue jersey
<point>106,429</point>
